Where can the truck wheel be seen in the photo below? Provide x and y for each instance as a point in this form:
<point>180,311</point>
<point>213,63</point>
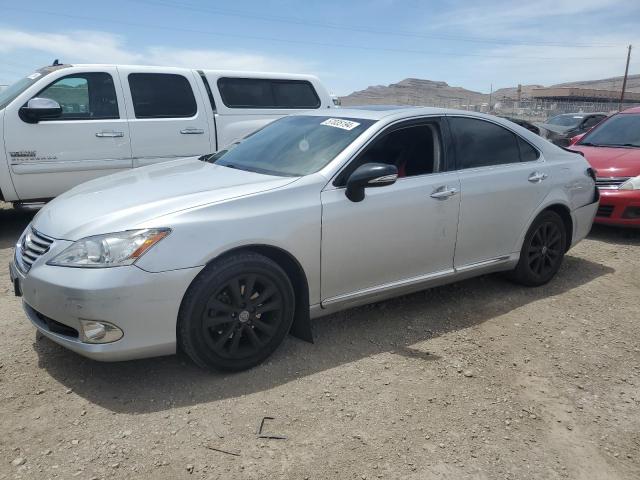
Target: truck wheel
<point>236,312</point>
<point>542,251</point>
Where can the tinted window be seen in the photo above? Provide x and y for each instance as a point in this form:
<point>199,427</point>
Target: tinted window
<point>265,93</point>
<point>86,96</point>
<point>527,152</point>
<point>621,130</point>
<point>292,146</point>
<point>161,95</point>
<point>591,121</point>
<point>480,143</point>
<point>566,120</point>
<point>414,150</point>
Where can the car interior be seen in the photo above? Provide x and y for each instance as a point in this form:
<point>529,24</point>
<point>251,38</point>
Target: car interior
<point>413,150</point>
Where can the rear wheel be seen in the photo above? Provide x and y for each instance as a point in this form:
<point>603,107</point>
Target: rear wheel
<point>542,251</point>
<point>236,313</point>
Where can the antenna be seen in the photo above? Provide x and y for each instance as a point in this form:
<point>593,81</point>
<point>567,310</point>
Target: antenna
<point>56,63</point>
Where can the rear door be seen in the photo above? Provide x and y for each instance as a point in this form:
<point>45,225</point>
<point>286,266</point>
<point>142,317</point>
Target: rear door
<point>168,115</point>
<point>89,139</point>
<point>503,179</point>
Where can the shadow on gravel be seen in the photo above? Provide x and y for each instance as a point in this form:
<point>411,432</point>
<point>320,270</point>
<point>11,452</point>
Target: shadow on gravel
<point>12,223</point>
<point>616,235</point>
<point>395,325</point>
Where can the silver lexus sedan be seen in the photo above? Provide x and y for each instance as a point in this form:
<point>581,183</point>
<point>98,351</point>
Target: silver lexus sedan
<point>221,256</point>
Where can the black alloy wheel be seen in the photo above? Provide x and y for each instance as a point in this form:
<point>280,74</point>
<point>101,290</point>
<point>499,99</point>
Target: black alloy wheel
<point>236,312</point>
<point>242,316</point>
<point>542,251</point>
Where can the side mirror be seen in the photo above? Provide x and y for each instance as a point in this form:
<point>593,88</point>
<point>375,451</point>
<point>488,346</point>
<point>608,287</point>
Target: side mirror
<point>369,175</point>
<point>40,109</point>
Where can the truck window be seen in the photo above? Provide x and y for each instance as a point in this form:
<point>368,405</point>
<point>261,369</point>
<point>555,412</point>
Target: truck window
<point>161,95</point>
<point>84,96</point>
<point>267,93</point>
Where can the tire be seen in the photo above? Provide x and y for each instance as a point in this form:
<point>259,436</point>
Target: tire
<point>542,251</point>
<point>236,312</point>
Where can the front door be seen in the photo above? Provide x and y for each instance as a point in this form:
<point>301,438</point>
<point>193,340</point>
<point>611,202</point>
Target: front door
<point>167,114</point>
<point>89,139</point>
<point>398,234</point>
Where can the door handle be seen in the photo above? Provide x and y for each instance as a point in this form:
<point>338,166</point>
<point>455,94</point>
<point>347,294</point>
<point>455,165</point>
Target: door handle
<point>442,193</point>
<point>109,134</point>
<point>537,177</point>
<point>192,131</point>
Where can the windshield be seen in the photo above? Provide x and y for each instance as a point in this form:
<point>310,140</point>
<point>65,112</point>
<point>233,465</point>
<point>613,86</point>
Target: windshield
<point>621,130</point>
<point>12,91</point>
<point>292,146</point>
<point>565,120</point>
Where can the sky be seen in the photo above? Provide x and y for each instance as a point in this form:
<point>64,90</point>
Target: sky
<point>348,44</point>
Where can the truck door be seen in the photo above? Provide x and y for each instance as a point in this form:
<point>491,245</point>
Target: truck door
<point>89,139</point>
<point>168,117</point>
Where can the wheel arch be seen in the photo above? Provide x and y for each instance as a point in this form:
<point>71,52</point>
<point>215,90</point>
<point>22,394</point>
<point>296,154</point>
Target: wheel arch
<point>565,214</point>
<point>301,326</point>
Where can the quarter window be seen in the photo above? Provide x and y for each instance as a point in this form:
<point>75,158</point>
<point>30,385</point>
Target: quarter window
<point>267,93</point>
<point>161,95</point>
<point>527,152</point>
<point>480,143</point>
<point>87,96</point>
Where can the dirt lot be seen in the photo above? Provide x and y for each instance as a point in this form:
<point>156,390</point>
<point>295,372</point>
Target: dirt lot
<point>481,379</point>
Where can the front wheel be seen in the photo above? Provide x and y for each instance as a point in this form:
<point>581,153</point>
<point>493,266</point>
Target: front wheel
<point>236,312</point>
<point>542,251</point>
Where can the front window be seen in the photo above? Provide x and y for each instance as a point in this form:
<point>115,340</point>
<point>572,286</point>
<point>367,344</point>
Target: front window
<point>621,130</point>
<point>565,120</point>
<point>293,146</point>
<point>12,92</point>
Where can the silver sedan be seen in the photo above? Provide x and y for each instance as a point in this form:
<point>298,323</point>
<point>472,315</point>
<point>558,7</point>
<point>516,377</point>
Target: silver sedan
<point>223,255</point>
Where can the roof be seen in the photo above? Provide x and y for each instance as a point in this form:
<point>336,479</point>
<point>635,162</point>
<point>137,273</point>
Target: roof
<point>221,72</point>
<point>378,112</point>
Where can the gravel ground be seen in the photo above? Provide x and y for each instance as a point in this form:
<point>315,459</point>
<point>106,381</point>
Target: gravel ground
<point>477,380</point>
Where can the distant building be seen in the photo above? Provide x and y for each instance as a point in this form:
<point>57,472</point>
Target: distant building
<point>575,94</point>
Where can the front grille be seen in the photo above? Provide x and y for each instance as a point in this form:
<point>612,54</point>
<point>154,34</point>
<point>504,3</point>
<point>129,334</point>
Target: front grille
<point>610,183</point>
<point>604,211</point>
<point>33,245</point>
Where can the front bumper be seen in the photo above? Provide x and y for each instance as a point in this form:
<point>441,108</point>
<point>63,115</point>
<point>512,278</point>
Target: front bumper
<point>143,305</point>
<point>619,207</point>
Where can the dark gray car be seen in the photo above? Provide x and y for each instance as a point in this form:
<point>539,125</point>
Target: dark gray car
<point>561,128</point>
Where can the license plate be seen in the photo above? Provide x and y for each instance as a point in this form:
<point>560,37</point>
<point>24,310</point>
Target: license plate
<point>17,289</point>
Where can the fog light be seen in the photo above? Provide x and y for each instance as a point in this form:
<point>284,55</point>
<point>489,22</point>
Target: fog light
<point>99,332</point>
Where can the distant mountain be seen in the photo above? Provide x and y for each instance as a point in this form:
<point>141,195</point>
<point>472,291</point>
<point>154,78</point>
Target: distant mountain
<point>415,91</point>
<point>613,83</point>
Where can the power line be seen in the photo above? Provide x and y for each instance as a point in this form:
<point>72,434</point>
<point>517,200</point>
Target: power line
<point>356,28</point>
<point>297,42</point>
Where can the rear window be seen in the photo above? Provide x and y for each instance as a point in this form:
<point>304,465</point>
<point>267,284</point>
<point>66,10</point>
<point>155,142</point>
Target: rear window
<point>161,95</point>
<point>267,93</point>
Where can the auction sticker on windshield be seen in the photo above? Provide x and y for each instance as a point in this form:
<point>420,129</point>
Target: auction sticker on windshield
<point>340,123</point>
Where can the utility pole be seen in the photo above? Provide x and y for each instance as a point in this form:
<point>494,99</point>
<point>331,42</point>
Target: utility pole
<point>624,80</point>
<point>490,95</point>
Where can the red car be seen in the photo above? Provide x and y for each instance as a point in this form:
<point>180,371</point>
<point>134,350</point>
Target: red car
<point>613,150</point>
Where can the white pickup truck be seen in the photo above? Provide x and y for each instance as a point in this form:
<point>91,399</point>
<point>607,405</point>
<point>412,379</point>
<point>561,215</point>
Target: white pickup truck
<point>66,124</point>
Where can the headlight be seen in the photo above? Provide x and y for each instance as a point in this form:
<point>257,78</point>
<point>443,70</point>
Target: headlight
<point>109,250</point>
<point>631,184</point>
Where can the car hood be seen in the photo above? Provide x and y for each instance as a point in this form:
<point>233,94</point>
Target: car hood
<point>129,199</point>
<point>612,162</point>
<point>557,129</point>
